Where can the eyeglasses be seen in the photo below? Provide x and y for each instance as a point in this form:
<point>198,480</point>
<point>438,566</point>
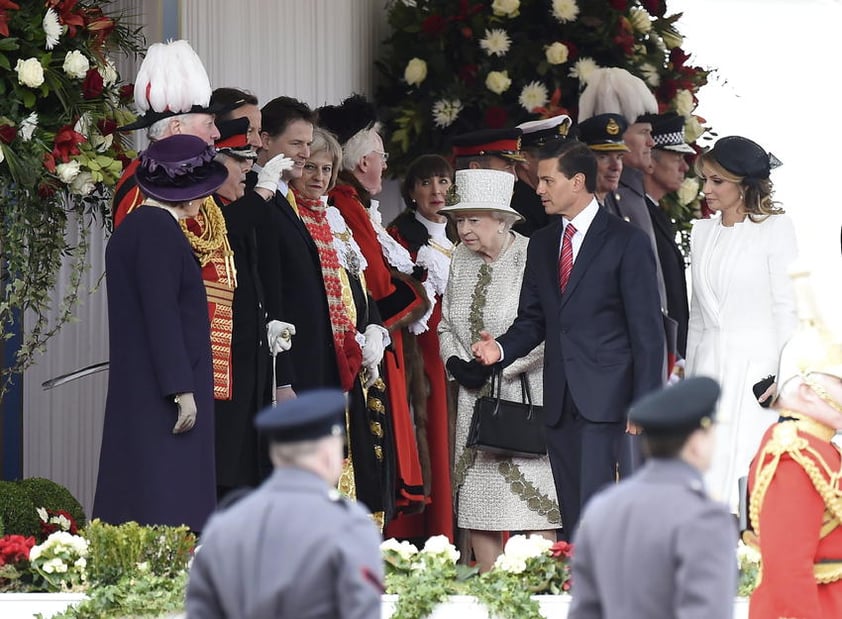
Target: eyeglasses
<point>382,154</point>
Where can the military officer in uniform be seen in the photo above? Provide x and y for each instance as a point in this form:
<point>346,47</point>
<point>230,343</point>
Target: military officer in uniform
<point>603,134</point>
<point>655,546</point>
<point>795,500</point>
<point>293,548</point>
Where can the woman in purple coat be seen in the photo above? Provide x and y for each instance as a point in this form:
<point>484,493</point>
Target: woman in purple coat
<point>157,460</point>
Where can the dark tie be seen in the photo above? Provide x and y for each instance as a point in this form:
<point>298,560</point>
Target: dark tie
<point>565,260</point>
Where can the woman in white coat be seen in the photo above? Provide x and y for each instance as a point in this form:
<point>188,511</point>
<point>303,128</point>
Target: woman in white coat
<point>742,309</point>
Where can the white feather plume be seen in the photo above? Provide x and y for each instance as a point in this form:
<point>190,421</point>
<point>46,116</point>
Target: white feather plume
<point>616,91</point>
<point>171,77</point>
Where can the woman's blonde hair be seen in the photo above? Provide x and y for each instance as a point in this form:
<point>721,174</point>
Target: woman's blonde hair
<point>757,193</point>
<point>324,141</point>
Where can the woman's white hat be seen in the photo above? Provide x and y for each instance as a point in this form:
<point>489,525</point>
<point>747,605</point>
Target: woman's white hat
<point>482,190</point>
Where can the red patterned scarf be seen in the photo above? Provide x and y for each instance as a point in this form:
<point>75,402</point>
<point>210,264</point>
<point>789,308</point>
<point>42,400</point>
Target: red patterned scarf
<point>348,353</point>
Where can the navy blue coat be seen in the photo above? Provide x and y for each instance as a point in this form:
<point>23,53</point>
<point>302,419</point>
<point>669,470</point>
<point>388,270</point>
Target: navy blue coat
<point>605,337</point>
<point>159,346</point>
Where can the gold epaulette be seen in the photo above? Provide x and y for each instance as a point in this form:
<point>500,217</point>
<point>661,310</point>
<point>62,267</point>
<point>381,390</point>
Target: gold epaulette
<point>786,439</point>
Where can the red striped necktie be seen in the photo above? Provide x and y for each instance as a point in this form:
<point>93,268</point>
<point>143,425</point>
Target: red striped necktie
<point>565,260</point>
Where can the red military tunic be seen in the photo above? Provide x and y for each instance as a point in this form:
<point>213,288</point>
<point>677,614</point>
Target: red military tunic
<point>127,195</point>
<point>795,509</point>
<point>208,238</point>
<point>399,303</point>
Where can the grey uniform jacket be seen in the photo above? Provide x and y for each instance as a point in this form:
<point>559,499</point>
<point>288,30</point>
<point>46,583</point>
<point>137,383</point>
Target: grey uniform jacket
<point>291,549</point>
<point>655,547</point>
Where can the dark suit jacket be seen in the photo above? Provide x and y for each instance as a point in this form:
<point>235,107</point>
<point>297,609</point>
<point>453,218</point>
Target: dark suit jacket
<point>604,337</point>
<point>292,275</point>
<point>673,268</point>
<point>526,202</point>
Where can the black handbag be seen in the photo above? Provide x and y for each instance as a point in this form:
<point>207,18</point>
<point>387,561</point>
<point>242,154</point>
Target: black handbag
<point>508,428</point>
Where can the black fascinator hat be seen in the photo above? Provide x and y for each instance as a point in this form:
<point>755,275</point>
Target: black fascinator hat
<point>345,120</point>
<point>743,157</point>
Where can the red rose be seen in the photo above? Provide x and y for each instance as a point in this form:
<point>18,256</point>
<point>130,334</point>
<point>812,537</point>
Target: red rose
<point>496,117</point>
<point>8,134</point>
<point>434,25</point>
<point>92,84</point>
<point>46,190</point>
<point>106,126</point>
<point>620,5</point>
<point>678,57</point>
<point>126,93</point>
<point>656,8</point>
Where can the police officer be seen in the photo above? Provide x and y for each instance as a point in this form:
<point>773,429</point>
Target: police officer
<point>655,546</point>
<point>293,548</point>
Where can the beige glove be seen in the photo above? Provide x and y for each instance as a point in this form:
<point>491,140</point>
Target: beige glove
<point>279,334</point>
<point>186,413</point>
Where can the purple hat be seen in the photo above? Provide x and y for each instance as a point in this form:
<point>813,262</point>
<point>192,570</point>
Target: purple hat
<point>179,168</point>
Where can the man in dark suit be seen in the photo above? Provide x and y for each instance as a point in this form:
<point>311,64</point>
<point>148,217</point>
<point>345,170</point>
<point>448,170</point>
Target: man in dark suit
<point>288,260</point>
<point>595,304</point>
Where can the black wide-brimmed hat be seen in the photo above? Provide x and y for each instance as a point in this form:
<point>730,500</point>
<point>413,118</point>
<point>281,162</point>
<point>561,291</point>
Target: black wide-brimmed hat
<point>743,157</point>
<point>312,415</point>
<point>354,114</point>
<point>179,168</point>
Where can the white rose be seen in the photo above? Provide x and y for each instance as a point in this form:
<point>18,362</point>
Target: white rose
<point>498,82</point>
<point>30,72</point>
<point>66,172</point>
<point>506,8</point>
<point>683,102</point>
<point>415,72</point>
<point>557,53</point>
<point>2,155</point>
<point>82,185</point>
<point>27,128</point>
<point>688,192</point>
<point>76,65</point>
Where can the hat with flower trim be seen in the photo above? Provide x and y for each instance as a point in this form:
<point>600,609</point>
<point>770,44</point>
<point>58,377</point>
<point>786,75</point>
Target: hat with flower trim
<point>179,168</point>
<point>505,143</point>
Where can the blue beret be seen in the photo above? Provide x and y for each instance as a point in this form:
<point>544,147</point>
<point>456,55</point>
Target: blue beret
<point>678,409</point>
<point>312,415</point>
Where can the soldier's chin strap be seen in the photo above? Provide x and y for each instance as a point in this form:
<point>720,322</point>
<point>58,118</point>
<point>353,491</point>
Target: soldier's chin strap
<point>820,391</point>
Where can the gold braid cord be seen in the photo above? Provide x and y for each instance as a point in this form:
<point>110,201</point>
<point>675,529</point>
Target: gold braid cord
<point>214,236</point>
<point>786,440</point>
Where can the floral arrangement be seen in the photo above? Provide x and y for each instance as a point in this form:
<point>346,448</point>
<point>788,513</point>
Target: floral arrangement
<point>425,578</point>
<point>60,561</point>
<point>53,521</point>
<point>452,66</point>
<point>61,101</point>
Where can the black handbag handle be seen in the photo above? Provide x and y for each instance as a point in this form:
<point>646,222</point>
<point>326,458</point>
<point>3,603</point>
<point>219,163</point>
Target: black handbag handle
<point>525,391</point>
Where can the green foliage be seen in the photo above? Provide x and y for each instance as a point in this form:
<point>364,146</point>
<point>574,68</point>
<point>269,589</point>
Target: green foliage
<point>59,158</point>
<point>18,511</point>
<point>118,551</point>
<point>52,496</point>
<point>139,595</point>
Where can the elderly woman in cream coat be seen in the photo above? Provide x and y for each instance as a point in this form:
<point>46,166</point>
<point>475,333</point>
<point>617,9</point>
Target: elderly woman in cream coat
<point>743,304</point>
<point>492,493</point>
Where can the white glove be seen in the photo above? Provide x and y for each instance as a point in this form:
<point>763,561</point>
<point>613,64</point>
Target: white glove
<point>186,413</point>
<point>373,347</point>
<point>271,173</point>
<point>279,334</point>
<point>371,375</point>
<point>677,373</point>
